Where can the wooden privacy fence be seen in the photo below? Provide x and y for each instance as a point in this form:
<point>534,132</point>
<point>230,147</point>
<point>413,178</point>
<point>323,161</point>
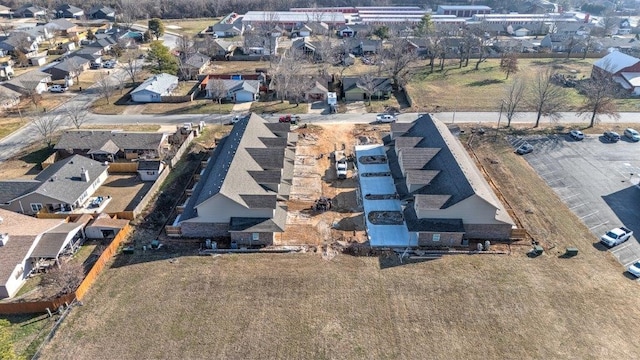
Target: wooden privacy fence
<point>85,285</point>
<point>99,265</point>
<point>123,167</point>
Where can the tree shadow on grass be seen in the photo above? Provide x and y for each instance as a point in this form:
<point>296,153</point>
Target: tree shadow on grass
<point>38,156</point>
<point>486,82</point>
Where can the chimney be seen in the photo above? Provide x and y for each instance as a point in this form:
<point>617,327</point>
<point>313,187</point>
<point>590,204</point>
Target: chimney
<point>84,175</point>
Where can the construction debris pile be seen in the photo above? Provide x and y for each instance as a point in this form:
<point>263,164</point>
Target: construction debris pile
<point>322,204</point>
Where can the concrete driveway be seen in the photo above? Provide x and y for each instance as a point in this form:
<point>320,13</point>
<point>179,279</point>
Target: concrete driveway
<point>595,179</point>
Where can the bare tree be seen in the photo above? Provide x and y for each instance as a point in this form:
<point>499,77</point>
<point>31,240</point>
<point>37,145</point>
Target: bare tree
<point>326,54</point>
<point>367,82</point>
<point>514,95</point>
<point>588,43</point>
<point>46,125</point>
<point>609,21</point>
<point>397,61</point>
<point>75,68</point>
<point>185,45</point>
<point>104,85</point>
<point>121,77</point>
<point>599,92</point>
<point>130,64</point>
<point>76,113</point>
<point>509,64</point>
<point>545,97</point>
<point>217,90</point>
<point>285,72</point>
<point>64,279</point>
<point>571,42</point>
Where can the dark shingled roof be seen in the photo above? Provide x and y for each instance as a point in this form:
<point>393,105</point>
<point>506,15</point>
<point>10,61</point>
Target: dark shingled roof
<point>96,139</point>
<point>12,189</point>
<point>240,165</point>
<point>149,165</point>
<point>416,158</point>
<point>60,180</point>
<point>421,177</point>
<point>12,253</point>
<point>381,84</point>
<point>431,202</point>
<point>260,201</point>
<point>436,225</point>
<point>275,224</point>
<point>406,141</point>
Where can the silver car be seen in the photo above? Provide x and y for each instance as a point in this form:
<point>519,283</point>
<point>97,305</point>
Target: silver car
<point>386,118</point>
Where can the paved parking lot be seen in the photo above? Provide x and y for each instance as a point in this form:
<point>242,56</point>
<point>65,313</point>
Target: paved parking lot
<point>595,179</point>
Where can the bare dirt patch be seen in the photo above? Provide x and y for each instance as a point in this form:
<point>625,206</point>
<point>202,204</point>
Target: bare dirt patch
<point>126,191</point>
<point>315,177</point>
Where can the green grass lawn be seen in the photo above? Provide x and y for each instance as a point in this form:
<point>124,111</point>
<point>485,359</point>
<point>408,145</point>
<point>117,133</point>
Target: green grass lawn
<point>199,106</point>
<point>466,89</point>
<point>285,107</point>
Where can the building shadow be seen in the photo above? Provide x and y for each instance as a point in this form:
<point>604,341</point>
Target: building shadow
<point>624,204</point>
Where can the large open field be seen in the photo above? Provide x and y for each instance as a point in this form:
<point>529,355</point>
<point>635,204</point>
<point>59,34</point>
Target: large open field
<point>299,306</point>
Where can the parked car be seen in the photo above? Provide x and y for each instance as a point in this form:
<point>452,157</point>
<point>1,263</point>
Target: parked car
<point>576,135</point>
<point>109,64</point>
<point>386,118</point>
<point>524,149</point>
<point>632,134</point>
<point>611,136</point>
<point>616,236</point>
<point>634,269</point>
<point>94,66</point>
<point>289,119</point>
<point>57,88</point>
<point>235,119</point>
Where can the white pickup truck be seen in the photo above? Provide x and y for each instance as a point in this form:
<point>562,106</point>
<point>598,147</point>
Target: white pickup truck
<point>341,164</point>
<point>616,236</point>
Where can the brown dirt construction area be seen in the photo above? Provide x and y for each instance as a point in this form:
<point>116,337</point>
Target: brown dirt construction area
<point>157,305</point>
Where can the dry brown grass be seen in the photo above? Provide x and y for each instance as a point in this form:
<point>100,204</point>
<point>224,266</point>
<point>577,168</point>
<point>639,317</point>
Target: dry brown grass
<point>300,306</point>
<point>125,127</point>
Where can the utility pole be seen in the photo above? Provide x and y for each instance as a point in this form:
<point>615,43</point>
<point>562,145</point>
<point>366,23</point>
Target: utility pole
<point>499,117</point>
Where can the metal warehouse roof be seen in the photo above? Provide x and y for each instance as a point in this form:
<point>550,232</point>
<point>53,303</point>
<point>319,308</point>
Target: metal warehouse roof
<point>290,16</point>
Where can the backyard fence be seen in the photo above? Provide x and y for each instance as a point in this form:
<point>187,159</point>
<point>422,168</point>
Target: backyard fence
<point>52,305</point>
<point>123,167</point>
<point>181,150</point>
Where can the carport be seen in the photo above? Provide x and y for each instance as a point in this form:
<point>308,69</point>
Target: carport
<point>63,238</point>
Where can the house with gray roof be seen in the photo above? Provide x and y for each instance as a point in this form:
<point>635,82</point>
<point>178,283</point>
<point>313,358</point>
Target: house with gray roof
<point>30,82</point>
<point>19,235</point>
<point>446,197</point>
<point>69,11</point>
<point>19,41</point>
<point>61,187</point>
<point>30,11</point>
<point>102,12</point>
<point>353,90</point>
<point>8,98</point>
<point>154,88</point>
<point>112,145</point>
<point>193,65</point>
<point>243,189</point>
<point>68,68</point>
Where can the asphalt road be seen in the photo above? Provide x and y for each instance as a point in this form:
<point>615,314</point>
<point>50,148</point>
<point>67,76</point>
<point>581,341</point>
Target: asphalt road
<point>596,180</point>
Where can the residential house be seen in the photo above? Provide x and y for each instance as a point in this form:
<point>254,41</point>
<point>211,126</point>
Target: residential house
<point>63,186</point>
<point>104,227</point>
<point>238,91</point>
<point>39,33</point>
<point>316,28</point>
<point>306,47</point>
<point>154,88</point>
<point>317,92</point>
<point>102,12</point>
<point>93,54</point>
<point>255,44</point>
<point>6,72</point>
<point>62,27</point>
<point>19,41</point>
<point>301,30</point>
<point>20,236</point>
<point>193,65</point>
<point>221,47</point>
<point>112,145</point>
<point>68,68</point>
<point>32,82</point>
<point>243,190</point>
<point>69,11</point>
<point>435,196</point>
<point>5,11</point>
<point>38,60</point>
<point>8,98</point>
<point>30,11</point>
<point>224,30</point>
<point>364,46</point>
<point>353,89</point>
<point>623,68</point>
<point>103,43</point>
<point>624,27</point>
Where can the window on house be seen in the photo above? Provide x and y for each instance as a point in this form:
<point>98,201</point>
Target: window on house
<point>36,207</point>
<point>436,237</point>
<point>255,236</point>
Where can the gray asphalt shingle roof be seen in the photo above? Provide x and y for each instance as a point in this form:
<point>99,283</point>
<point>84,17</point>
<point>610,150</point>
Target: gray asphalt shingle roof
<point>100,141</point>
<point>240,167</point>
